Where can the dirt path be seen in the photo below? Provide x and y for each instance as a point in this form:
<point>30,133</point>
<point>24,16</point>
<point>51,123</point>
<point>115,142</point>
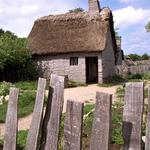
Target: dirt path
<point>82,94</point>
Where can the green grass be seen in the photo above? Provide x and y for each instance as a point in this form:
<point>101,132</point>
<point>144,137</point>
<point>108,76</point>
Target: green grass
<point>26,85</point>
<point>26,99</point>
<point>21,139</point>
<point>117,111</point>
<point>25,105</point>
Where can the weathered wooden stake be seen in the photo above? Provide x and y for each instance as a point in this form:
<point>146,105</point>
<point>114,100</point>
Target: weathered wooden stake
<point>11,124</point>
<point>100,138</point>
<point>147,143</point>
<point>34,132</point>
<point>73,126</point>
<point>53,116</point>
<point>132,116</point>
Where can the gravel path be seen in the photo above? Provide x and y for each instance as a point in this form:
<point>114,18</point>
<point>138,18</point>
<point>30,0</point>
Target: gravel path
<point>81,94</point>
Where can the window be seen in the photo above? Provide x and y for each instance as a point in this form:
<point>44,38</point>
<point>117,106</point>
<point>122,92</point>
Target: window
<point>73,61</point>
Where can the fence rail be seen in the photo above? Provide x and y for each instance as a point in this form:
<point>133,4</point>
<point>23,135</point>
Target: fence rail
<point>123,70</point>
<point>44,130</point>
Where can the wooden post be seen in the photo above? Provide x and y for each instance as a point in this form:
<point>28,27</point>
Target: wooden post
<point>11,124</point>
<point>73,126</point>
<point>132,116</point>
<point>147,143</point>
<point>34,132</point>
<point>53,115</point>
<point>100,138</point>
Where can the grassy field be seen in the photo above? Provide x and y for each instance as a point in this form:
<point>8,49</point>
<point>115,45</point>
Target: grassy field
<point>25,105</point>
<point>26,99</point>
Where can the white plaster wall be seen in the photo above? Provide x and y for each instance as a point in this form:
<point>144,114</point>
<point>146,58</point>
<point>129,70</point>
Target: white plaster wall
<point>108,59</point>
<point>60,64</point>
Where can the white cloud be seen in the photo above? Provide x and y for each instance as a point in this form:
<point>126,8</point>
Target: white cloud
<point>19,16</point>
<point>130,16</point>
<point>136,41</point>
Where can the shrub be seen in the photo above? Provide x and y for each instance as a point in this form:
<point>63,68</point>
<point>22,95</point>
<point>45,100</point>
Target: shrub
<point>146,76</point>
<point>4,88</point>
<point>15,59</point>
<point>76,10</point>
<point>117,79</point>
<point>134,76</point>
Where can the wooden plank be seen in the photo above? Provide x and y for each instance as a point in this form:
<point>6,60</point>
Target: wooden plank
<point>132,116</point>
<point>34,132</point>
<point>11,124</point>
<point>73,126</point>
<point>147,143</point>
<point>100,138</point>
<point>53,116</point>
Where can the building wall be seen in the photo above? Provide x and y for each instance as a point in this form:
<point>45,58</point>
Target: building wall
<point>60,64</point>
<point>119,58</point>
<point>108,60</point>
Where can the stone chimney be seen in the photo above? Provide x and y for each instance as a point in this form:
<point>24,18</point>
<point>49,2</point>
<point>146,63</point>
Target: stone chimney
<point>94,7</point>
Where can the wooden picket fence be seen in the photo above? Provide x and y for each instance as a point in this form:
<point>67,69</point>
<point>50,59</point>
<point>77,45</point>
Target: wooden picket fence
<point>44,130</point>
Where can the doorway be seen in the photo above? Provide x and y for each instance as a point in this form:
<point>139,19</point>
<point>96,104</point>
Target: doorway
<point>91,69</point>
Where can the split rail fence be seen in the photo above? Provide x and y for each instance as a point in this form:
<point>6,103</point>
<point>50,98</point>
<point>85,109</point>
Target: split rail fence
<point>44,130</point>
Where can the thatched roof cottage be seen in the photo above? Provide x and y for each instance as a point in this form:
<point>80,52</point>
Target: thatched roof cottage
<point>80,45</point>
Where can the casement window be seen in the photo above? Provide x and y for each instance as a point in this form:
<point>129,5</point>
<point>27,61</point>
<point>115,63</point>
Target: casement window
<point>73,61</point>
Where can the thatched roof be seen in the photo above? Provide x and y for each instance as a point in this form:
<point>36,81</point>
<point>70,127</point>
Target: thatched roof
<point>70,32</point>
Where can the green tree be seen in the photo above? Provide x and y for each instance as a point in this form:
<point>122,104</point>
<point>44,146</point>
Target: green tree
<point>15,59</point>
<point>135,57</point>
<point>148,27</point>
<point>145,57</point>
<point>76,10</point>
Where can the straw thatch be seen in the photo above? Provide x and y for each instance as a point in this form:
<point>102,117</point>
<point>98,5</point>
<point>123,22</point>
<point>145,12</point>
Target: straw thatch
<point>70,32</point>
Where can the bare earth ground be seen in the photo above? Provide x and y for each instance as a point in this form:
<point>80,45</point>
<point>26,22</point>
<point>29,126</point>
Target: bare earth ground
<point>81,94</point>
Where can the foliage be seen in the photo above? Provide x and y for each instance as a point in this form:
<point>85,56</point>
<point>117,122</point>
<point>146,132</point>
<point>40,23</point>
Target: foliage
<point>25,105</point>
<point>145,57</point>
<point>146,76</point>
<point>137,77</point>
<point>4,88</point>
<point>21,139</point>
<point>26,85</point>
<point>148,27</point>
<point>115,80</point>
<point>117,111</point>
<point>15,59</point>
<point>134,76</point>
<point>76,10</point>
<point>120,92</point>
<point>136,57</point>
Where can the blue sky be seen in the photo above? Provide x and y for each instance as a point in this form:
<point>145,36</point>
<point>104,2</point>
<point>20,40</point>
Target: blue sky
<point>130,16</point>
